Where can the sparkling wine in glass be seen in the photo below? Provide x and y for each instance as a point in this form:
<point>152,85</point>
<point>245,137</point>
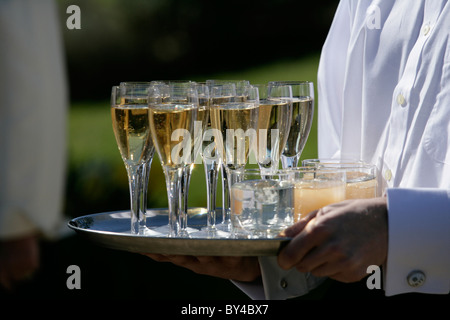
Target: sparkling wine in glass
<point>137,93</point>
<point>237,122</point>
<point>275,116</point>
<point>301,96</point>
<point>221,91</point>
<point>187,170</point>
<point>211,160</point>
<point>130,120</point>
<point>173,110</point>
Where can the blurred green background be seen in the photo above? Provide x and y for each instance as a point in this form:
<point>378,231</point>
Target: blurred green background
<point>142,40</point>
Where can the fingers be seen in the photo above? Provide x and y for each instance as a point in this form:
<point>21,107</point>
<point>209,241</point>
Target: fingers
<point>300,245</point>
<point>236,268</point>
<point>19,260</point>
<point>311,249</point>
<point>181,260</point>
<point>296,228</point>
<point>328,261</point>
<point>12,275</point>
<point>325,261</point>
<point>157,257</point>
<point>196,264</point>
<point>340,241</point>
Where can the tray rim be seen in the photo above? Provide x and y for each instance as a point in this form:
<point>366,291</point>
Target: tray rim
<point>176,246</point>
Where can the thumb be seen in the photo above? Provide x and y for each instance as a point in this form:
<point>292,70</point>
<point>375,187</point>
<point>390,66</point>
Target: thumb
<point>296,228</point>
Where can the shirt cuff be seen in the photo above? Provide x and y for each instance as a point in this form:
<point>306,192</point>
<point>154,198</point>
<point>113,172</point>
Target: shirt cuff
<point>278,284</point>
<point>419,241</point>
<point>255,289</point>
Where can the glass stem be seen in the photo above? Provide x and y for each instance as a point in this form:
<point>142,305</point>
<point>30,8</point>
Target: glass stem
<point>184,195</point>
<point>146,175</point>
<point>211,173</point>
<point>226,201</point>
<point>135,174</point>
<point>173,182</point>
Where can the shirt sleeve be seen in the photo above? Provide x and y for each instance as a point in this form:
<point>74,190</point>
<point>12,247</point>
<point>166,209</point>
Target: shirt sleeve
<point>279,284</point>
<point>419,241</point>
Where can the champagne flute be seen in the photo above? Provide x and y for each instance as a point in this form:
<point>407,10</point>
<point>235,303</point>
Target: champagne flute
<point>240,87</point>
<point>137,93</point>
<point>237,123</point>
<point>275,116</point>
<point>211,159</point>
<point>186,172</point>
<point>173,111</point>
<point>221,91</point>
<point>302,98</point>
<point>130,118</point>
<point>200,124</point>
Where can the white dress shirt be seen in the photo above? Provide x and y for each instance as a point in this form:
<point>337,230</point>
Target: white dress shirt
<point>32,119</point>
<point>384,97</point>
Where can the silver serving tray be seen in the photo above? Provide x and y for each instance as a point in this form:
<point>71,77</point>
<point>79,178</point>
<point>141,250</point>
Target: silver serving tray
<point>112,230</point>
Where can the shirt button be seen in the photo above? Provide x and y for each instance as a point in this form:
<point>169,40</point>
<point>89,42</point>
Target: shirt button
<point>388,175</point>
<point>426,29</point>
<point>283,283</point>
<point>400,99</point>
<point>416,278</point>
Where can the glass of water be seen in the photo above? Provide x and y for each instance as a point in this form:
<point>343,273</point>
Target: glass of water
<point>261,203</point>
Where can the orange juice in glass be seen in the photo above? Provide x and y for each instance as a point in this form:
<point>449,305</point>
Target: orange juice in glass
<point>316,188</point>
<point>361,177</point>
<point>361,184</point>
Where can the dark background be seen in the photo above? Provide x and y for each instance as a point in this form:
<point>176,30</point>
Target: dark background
<point>183,39</point>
